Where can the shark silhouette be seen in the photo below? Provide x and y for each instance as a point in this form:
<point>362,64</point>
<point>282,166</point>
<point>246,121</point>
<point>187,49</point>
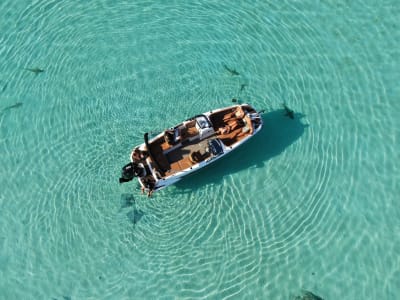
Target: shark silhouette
<point>307,295</point>
<point>34,70</point>
<point>4,87</point>
<point>288,112</point>
<point>232,71</point>
<point>18,104</point>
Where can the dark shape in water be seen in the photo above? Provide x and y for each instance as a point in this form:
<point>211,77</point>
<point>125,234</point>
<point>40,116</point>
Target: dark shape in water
<point>243,86</point>
<point>130,171</point>
<point>127,200</point>
<point>235,100</point>
<point>16,105</point>
<point>288,111</point>
<point>34,70</point>
<point>4,87</point>
<point>307,295</point>
<point>232,71</point>
<point>64,297</point>
<point>135,215</point>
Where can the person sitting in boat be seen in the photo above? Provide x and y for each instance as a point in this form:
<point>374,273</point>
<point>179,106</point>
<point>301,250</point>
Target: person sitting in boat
<point>224,130</point>
<point>138,155</point>
<point>238,113</point>
<point>231,126</point>
<point>248,127</point>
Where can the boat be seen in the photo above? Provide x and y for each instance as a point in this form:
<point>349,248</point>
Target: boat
<point>190,146</point>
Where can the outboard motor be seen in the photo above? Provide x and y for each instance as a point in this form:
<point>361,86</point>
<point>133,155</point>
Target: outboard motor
<point>127,173</point>
<point>131,171</point>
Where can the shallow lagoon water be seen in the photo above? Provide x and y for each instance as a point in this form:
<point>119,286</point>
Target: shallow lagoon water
<point>308,204</point>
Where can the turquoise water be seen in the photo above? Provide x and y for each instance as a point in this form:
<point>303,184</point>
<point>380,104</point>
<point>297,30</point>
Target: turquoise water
<point>308,204</point>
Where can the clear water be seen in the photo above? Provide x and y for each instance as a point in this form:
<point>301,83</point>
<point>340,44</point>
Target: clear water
<point>309,204</point>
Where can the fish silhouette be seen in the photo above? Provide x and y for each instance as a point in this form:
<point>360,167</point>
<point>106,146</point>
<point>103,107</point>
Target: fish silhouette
<point>307,295</point>
<point>288,112</point>
<point>235,100</point>
<point>34,70</point>
<point>16,105</point>
<point>232,71</point>
<point>4,87</point>
<point>127,200</point>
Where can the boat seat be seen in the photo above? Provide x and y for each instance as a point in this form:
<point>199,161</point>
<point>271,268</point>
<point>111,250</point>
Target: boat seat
<point>195,157</point>
<point>198,156</point>
<point>172,136</point>
<point>183,132</point>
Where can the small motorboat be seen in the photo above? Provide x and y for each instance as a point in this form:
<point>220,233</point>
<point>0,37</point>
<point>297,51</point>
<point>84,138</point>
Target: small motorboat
<point>171,155</point>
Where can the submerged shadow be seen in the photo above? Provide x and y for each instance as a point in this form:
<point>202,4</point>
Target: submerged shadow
<point>307,295</point>
<point>128,201</point>
<point>278,133</point>
<point>135,215</point>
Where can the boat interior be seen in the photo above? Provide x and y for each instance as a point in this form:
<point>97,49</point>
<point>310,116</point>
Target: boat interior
<point>178,148</point>
<point>187,144</point>
<point>234,124</point>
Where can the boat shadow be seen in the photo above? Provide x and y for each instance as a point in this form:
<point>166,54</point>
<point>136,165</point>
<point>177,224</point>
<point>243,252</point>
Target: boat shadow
<point>278,133</point>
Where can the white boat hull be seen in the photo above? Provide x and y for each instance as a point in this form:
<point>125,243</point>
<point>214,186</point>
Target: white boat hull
<point>192,145</point>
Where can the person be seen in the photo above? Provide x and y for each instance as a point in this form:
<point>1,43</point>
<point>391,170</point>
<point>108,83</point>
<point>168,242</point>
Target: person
<point>248,127</point>
<point>138,155</point>
<point>249,123</point>
<point>234,124</point>
<point>148,184</point>
<point>238,113</point>
<point>169,136</point>
<point>231,126</point>
<point>224,130</point>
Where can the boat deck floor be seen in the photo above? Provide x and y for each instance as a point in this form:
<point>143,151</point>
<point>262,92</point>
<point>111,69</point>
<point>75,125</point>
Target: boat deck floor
<point>179,159</point>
